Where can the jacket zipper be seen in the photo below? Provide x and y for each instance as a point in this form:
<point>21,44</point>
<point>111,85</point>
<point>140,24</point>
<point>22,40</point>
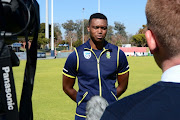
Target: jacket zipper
<point>98,67</point>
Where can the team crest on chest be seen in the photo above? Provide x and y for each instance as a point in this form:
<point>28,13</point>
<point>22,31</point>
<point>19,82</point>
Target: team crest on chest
<point>108,55</point>
<point>87,54</point>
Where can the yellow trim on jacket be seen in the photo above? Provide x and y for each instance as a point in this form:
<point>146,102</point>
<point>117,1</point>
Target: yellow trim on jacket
<point>77,59</point>
<point>114,95</point>
<point>68,75</point>
<point>118,58</point>
<point>80,115</point>
<point>85,94</point>
<point>124,72</point>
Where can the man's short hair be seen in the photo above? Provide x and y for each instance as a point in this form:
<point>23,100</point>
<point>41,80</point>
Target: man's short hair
<point>163,19</point>
<point>98,16</point>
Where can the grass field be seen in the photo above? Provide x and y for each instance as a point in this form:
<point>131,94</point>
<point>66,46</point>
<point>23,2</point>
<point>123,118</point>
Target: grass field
<point>49,100</point>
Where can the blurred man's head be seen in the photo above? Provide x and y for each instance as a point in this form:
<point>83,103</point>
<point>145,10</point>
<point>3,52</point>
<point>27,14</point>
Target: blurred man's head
<point>163,19</point>
<point>97,27</point>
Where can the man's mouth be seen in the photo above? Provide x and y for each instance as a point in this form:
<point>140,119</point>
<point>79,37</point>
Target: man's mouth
<point>99,36</point>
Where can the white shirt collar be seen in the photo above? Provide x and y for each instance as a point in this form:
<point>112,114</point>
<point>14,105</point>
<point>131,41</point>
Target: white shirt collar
<point>171,75</point>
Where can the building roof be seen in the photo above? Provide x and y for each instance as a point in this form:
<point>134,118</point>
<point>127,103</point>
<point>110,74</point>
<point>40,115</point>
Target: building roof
<point>134,49</point>
<point>16,44</point>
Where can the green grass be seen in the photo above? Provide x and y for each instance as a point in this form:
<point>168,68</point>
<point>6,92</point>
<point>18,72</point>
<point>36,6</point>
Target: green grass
<point>51,103</point>
<point>143,73</point>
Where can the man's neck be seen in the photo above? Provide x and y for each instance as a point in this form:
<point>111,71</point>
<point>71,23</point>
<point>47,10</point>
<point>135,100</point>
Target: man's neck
<point>96,45</point>
<point>168,63</point>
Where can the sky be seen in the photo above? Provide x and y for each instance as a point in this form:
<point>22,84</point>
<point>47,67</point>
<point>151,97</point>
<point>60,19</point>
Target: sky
<point>129,12</point>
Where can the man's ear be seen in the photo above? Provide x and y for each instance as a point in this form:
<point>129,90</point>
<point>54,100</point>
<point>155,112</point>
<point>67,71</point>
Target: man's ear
<point>151,41</point>
<point>88,29</point>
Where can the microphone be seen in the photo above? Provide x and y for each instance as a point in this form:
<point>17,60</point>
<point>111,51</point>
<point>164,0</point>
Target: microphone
<point>95,108</point>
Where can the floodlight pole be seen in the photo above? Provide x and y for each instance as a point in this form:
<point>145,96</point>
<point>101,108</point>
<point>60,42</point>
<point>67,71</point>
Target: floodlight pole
<point>52,30</point>
<point>98,6</point>
<point>47,23</point>
<point>83,27</point>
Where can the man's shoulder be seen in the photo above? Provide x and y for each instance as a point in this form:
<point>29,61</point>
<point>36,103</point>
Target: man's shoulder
<point>123,106</point>
<point>81,47</point>
<point>110,46</point>
<point>152,99</point>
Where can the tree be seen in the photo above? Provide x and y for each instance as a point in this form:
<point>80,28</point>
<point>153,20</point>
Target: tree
<point>42,28</point>
<point>71,37</point>
<point>70,27</point>
<point>120,36</point>
<point>86,24</point>
<point>86,33</point>
<point>139,40</point>
<point>118,40</point>
<point>77,43</point>
<point>42,41</point>
<point>120,28</point>
<point>79,28</point>
<point>143,29</point>
<point>73,32</point>
<point>109,34</point>
<point>129,37</point>
<point>58,34</point>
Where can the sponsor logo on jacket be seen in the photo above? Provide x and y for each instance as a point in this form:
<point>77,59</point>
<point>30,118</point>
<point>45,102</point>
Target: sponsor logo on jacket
<point>87,54</point>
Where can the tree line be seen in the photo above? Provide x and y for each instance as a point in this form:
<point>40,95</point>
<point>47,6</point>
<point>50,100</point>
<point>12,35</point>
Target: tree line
<point>73,34</point>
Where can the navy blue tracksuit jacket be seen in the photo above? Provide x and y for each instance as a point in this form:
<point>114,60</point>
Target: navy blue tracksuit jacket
<point>96,71</point>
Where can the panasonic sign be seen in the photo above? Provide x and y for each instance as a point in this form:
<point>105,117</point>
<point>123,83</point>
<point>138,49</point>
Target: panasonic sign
<point>7,85</point>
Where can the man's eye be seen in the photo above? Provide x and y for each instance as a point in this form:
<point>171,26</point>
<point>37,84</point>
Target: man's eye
<point>104,28</point>
<point>96,27</point>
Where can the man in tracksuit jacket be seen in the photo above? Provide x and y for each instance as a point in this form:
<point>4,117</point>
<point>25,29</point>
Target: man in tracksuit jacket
<point>98,65</point>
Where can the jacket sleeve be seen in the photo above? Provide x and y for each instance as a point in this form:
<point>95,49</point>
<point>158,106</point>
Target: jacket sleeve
<point>123,63</point>
<point>70,66</point>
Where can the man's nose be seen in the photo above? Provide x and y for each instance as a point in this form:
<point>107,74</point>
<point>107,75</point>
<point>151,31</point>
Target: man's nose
<point>100,30</point>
